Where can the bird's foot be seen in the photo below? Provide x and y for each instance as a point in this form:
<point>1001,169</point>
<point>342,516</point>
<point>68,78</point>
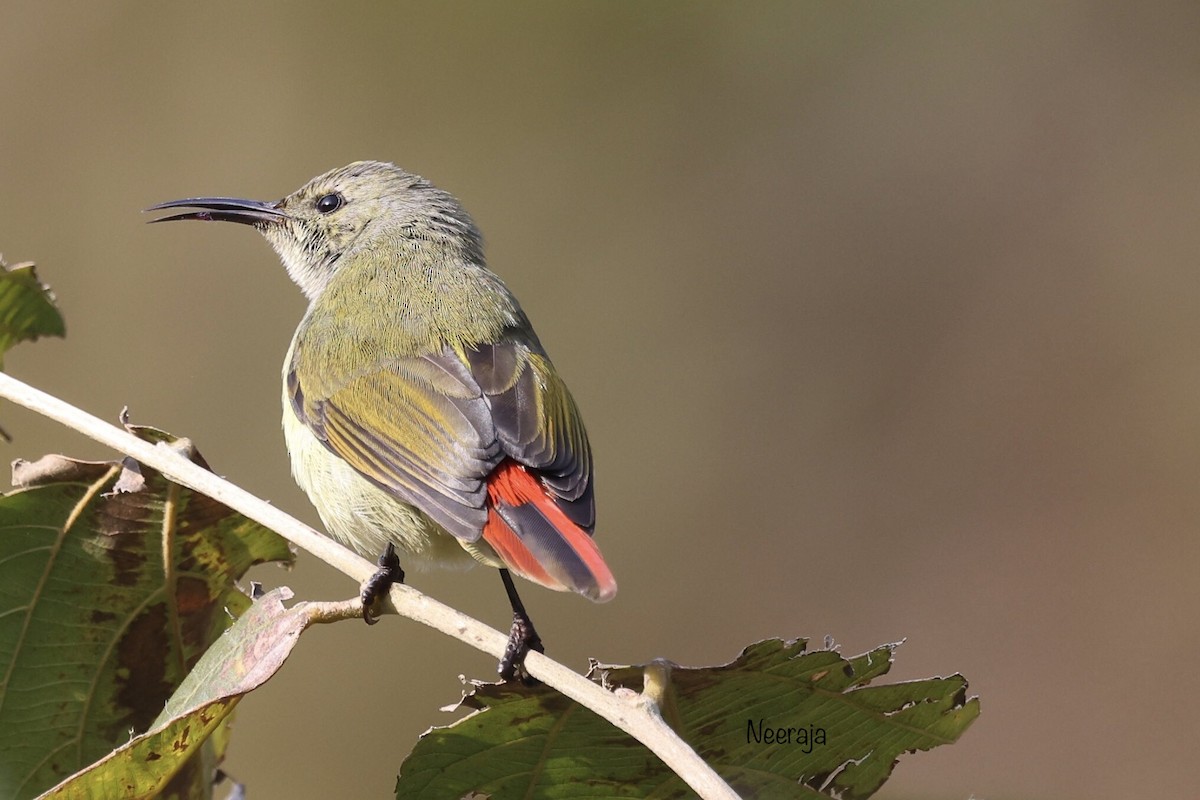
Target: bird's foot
<point>521,639</point>
<point>377,585</point>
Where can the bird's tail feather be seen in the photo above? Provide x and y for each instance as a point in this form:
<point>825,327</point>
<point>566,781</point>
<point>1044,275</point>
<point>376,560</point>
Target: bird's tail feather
<point>535,539</point>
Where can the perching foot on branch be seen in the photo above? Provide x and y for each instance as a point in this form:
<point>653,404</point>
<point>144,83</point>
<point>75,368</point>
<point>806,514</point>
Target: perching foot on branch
<point>388,574</point>
<point>521,638</point>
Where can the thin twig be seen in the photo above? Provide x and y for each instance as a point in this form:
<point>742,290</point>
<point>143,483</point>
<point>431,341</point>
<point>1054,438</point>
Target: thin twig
<point>635,716</point>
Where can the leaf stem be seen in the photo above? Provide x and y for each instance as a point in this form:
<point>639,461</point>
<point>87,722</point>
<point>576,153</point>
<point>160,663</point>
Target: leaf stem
<point>635,716</point>
<point>170,515</point>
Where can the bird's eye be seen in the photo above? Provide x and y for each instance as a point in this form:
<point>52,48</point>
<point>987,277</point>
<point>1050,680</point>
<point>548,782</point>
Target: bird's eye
<point>330,203</point>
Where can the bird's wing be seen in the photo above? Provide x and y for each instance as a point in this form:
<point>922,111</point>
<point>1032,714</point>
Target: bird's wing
<point>538,423</point>
<point>432,428</point>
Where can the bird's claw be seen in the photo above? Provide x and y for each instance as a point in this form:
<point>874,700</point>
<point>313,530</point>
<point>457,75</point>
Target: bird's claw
<point>521,639</point>
<point>388,574</point>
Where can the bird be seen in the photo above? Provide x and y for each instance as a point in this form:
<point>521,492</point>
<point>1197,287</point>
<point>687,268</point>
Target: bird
<point>421,413</point>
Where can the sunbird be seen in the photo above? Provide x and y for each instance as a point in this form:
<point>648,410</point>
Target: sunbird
<point>420,411</point>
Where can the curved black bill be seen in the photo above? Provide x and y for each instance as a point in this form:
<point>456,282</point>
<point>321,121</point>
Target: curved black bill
<point>222,209</point>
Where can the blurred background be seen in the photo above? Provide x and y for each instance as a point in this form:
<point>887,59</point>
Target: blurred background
<point>884,320</point>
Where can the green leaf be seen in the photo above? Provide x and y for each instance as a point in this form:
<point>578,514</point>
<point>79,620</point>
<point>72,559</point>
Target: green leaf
<point>778,722</point>
<point>27,308</point>
<point>240,661</point>
<point>113,583</point>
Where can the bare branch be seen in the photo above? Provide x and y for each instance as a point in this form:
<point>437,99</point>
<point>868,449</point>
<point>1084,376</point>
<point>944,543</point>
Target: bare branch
<point>636,715</point>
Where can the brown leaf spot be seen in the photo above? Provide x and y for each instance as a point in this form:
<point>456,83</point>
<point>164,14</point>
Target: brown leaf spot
<point>192,595</point>
<point>99,617</point>
<point>197,608</point>
<point>121,521</point>
<point>127,562</point>
<point>142,654</point>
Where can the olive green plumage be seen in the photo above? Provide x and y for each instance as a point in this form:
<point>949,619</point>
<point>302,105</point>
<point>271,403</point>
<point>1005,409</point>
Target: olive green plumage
<point>414,372</point>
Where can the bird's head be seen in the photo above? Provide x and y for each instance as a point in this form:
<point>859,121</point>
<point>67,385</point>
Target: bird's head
<point>363,205</point>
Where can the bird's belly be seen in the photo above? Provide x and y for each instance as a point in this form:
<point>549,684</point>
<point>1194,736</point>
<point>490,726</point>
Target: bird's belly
<point>358,513</point>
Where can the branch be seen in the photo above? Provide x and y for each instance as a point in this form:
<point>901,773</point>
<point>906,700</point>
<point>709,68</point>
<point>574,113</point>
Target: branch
<point>638,716</point>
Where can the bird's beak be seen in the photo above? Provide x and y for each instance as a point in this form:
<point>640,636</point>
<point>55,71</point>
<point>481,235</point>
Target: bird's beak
<point>223,209</point>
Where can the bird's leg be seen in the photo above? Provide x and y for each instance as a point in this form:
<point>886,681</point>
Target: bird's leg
<point>377,585</point>
<point>521,639</point>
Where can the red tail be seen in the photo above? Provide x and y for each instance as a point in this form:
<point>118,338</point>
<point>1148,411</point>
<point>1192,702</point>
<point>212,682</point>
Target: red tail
<point>535,538</point>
